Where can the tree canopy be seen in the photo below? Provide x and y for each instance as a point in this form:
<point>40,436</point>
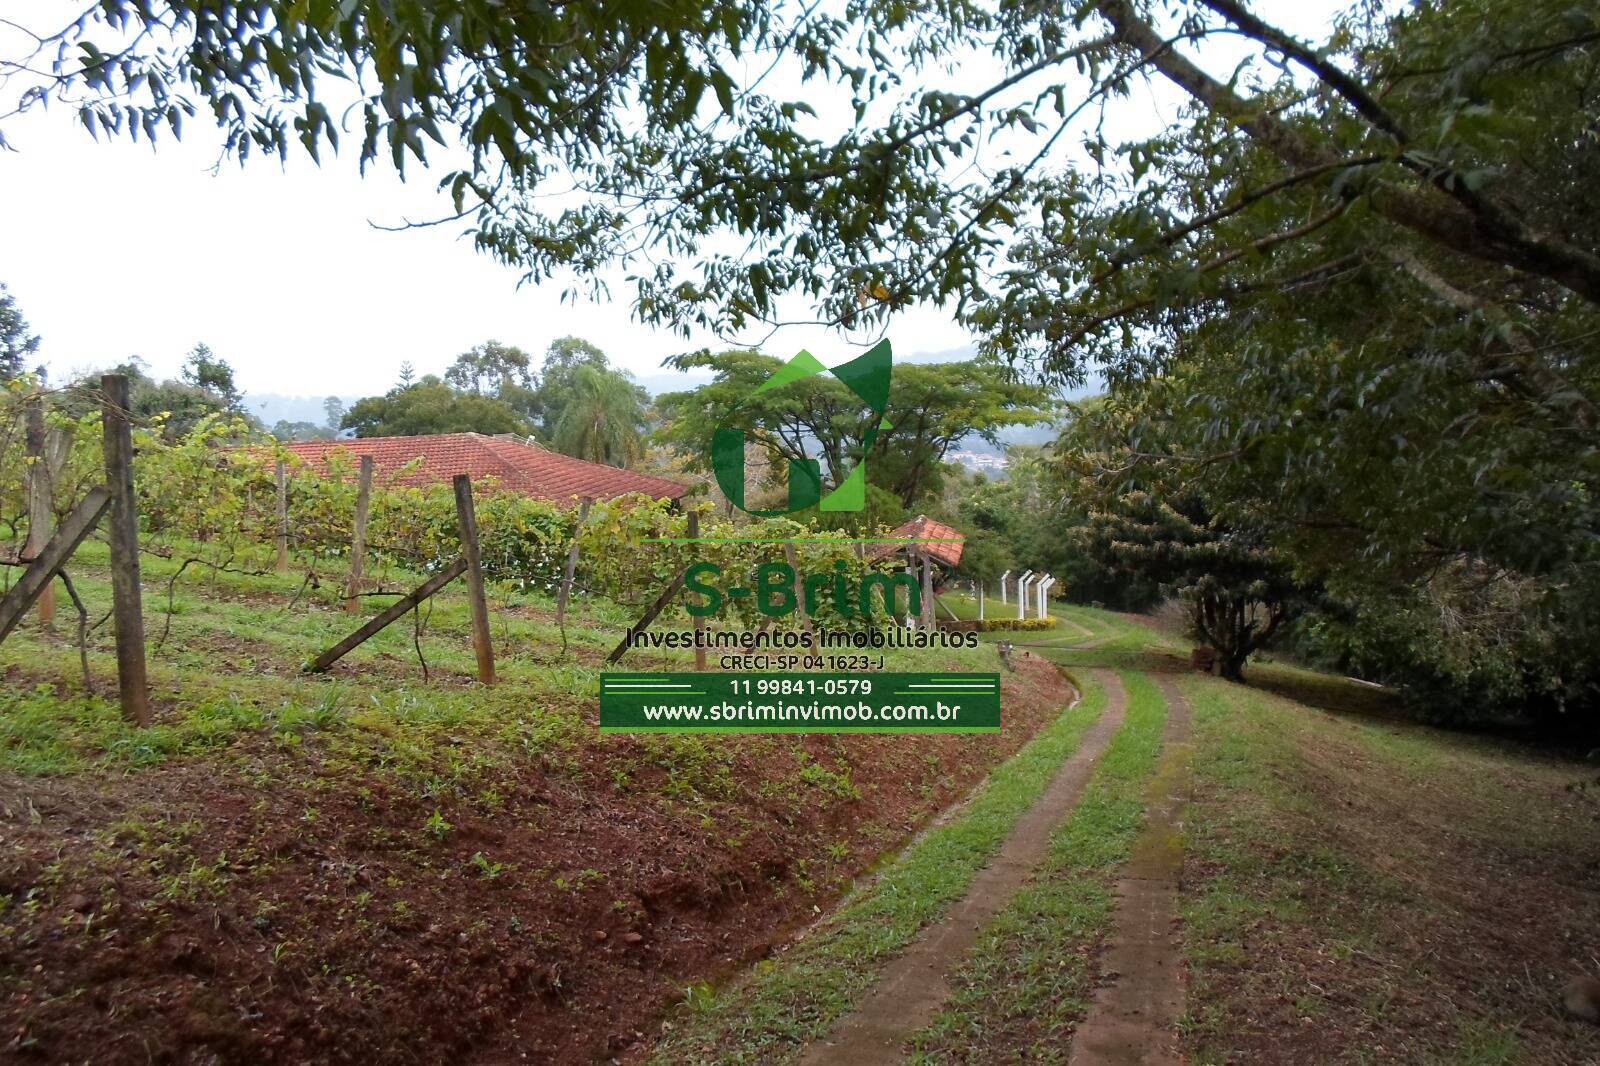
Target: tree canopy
<point>202,370</point>
<point>900,189</point>
<point>601,418</point>
<point>204,388</point>
<point>557,383</point>
<point>574,401</point>
<point>932,407</point>
<point>430,406</point>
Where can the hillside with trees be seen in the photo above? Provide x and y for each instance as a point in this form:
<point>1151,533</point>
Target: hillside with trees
<point>1294,617</point>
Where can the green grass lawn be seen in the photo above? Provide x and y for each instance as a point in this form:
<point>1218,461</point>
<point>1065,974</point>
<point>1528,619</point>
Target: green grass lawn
<point>1364,889</point>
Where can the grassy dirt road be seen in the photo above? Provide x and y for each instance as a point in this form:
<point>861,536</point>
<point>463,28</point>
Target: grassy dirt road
<point>1314,879</point>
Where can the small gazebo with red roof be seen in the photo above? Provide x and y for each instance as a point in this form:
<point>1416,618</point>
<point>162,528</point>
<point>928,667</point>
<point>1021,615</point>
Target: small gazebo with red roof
<point>927,542</point>
<point>515,463</point>
<point>923,536</point>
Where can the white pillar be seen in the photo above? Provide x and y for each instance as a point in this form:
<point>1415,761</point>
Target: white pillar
<point>1022,594</point>
<point>979,586</point>
<point>1044,595</point>
<point>1003,585</point>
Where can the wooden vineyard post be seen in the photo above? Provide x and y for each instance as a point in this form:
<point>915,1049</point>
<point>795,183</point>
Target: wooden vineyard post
<point>468,521</point>
<point>571,570</point>
<point>799,592</point>
<point>39,478</point>
<point>358,538</point>
<point>929,617</point>
<point>127,610</point>
<point>281,537</point>
<point>699,621</point>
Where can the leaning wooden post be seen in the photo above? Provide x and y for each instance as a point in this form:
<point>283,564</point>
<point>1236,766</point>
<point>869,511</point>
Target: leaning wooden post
<point>38,504</point>
<point>127,611</point>
<point>51,558</point>
<point>358,539</point>
<point>468,521</point>
<point>699,621</point>
<point>282,534</point>
<point>392,613</point>
<point>572,563</point>
<point>649,616</point>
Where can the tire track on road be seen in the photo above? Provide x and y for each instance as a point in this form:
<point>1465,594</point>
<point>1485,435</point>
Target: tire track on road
<point>1134,1016</point>
<point>917,983</point>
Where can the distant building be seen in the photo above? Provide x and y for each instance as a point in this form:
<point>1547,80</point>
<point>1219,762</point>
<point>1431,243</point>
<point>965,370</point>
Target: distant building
<point>978,461</point>
<point>516,464</point>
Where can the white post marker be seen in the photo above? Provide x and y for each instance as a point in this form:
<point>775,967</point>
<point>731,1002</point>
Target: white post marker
<point>979,586</point>
<point>1044,595</point>
<point>1003,585</point>
<point>1022,594</point>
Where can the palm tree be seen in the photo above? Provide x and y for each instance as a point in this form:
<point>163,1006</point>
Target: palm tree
<point>602,419</point>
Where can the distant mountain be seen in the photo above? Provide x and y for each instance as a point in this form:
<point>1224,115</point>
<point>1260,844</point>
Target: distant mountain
<point>659,381</point>
<point>1009,436</point>
<point>273,407</point>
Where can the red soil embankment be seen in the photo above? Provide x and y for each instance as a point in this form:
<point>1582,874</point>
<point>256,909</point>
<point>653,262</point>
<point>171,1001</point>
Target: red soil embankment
<point>271,902</point>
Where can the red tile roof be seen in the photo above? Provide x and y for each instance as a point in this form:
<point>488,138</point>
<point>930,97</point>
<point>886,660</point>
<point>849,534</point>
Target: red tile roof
<point>937,539</point>
<point>515,464</point>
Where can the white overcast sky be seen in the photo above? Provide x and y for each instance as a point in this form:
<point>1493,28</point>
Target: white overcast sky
<point>114,250</point>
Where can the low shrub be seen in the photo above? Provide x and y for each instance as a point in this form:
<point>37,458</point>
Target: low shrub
<point>989,625</point>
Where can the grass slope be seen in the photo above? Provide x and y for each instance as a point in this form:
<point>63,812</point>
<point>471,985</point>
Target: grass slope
<point>1361,889</point>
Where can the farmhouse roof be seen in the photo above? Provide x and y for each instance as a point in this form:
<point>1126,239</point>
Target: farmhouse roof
<point>943,544</point>
<point>516,464</point>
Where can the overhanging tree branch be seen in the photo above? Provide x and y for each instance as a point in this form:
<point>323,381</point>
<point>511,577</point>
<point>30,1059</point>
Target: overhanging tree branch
<point>1341,82</point>
<point>1264,244</point>
<point>1479,228</point>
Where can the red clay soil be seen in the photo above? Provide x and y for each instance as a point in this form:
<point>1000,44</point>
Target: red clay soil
<point>272,903</point>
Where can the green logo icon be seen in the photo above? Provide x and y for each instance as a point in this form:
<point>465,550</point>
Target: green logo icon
<point>867,376</point>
